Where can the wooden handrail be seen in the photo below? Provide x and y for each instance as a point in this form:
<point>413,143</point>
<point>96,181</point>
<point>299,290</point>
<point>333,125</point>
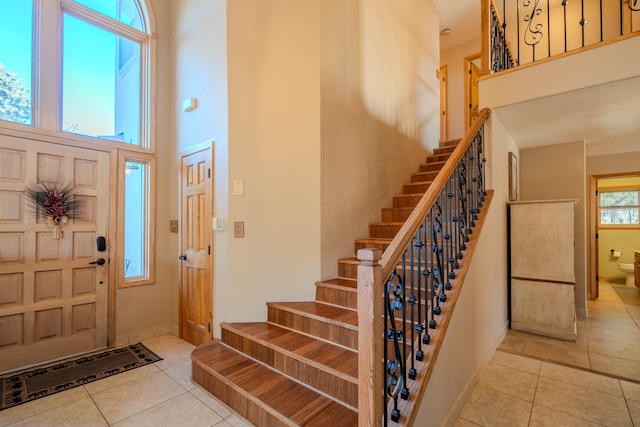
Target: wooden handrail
<point>398,245</point>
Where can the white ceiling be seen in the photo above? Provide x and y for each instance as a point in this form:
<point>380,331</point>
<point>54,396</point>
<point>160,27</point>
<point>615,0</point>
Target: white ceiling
<point>462,17</point>
<point>606,117</point>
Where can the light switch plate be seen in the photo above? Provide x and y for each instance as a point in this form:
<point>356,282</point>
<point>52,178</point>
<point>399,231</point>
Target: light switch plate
<point>217,224</point>
<point>238,187</point>
<point>238,229</point>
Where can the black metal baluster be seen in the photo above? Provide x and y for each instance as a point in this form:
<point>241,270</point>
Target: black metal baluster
<point>582,21</point>
<point>564,6</point>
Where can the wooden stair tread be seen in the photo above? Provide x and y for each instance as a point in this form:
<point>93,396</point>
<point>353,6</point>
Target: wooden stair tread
<point>318,352</point>
<point>341,282</point>
<point>273,392</point>
<point>325,312</point>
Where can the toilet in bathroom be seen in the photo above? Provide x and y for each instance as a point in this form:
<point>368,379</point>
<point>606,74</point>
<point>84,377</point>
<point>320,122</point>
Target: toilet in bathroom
<point>627,269</point>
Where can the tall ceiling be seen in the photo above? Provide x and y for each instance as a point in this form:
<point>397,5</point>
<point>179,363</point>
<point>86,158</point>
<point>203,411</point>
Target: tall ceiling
<point>606,117</point>
<point>462,17</point>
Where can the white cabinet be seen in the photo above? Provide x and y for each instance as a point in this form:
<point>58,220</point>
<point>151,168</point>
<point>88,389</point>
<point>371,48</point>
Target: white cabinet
<point>542,272</point>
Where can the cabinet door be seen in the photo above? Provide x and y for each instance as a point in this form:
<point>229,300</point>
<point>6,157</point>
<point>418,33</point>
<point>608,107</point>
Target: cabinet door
<point>542,241</point>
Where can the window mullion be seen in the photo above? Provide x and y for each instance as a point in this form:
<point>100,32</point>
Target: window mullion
<point>47,64</point>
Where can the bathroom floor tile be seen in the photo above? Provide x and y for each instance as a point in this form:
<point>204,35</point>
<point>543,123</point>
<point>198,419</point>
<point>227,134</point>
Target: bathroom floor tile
<point>631,390</point>
<point>556,353</point>
<point>182,375</point>
<point>615,349</point>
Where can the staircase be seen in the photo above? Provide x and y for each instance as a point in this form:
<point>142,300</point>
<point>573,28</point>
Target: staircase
<point>301,366</point>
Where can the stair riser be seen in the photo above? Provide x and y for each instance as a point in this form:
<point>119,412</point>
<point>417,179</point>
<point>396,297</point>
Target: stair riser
<point>335,386</point>
<point>424,176</point>
<point>438,158</point>
<point>383,231</point>
<point>444,150</point>
<point>327,331</point>
<point>382,246</point>
<point>408,201</point>
<point>395,215</point>
<point>235,399</point>
<point>349,271</point>
<point>415,187</point>
<point>430,167</point>
<point>342,297</point>
<point>452,143</point>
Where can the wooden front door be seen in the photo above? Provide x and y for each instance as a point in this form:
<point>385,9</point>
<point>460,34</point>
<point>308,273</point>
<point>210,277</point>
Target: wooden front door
<point>196,301</point>
<point>53,300</point>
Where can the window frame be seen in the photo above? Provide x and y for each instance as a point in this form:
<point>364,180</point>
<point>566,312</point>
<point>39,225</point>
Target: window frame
<point>617,189</point>
<point>150,222</point>
<point>46,88</point>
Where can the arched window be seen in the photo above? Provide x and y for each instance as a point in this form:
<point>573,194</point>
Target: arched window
<point>77,66</point>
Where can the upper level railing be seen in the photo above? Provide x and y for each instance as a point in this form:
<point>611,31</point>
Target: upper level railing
<point>407,294</point>
<point>533,30</point>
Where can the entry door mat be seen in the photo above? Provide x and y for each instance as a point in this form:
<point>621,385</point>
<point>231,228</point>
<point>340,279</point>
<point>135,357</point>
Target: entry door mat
<point>28,385</point>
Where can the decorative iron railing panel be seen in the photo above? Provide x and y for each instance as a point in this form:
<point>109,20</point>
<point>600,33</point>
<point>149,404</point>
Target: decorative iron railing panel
<point>525,31</point>
<point>421,279</point>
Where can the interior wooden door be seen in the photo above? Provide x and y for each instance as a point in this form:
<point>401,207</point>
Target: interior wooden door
<point>53,296</point>
<point>196,287</point>
<point>444,96</point>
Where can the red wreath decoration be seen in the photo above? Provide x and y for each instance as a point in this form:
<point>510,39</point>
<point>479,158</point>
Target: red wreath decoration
<point>55,205</point>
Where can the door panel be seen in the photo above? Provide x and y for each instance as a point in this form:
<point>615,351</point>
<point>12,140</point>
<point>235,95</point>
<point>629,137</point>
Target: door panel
<point>53,303</point>
<point>196,302</point>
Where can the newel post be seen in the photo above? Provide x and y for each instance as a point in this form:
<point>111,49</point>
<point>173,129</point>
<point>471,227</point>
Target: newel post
<point>370,338</point>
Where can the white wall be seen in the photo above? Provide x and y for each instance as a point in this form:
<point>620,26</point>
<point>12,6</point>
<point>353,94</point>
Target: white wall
<point>379,111</point>
<point>479,321</point>
<point>199,46</point>
<point>274,146</point>
<point>454,60</point>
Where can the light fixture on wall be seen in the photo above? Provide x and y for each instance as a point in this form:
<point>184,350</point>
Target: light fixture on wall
<point>445,32</point>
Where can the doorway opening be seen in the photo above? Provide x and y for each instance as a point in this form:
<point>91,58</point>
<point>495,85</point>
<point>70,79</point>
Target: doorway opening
<point>615,226</point>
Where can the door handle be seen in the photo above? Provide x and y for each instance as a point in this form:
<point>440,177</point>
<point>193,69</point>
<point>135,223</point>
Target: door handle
<point>183,257</point>
<point>99,261</point>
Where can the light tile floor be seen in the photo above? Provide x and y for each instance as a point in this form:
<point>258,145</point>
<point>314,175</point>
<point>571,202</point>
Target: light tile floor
<point>156,395</point>
<point>538,381</point>
<point>530,381</point>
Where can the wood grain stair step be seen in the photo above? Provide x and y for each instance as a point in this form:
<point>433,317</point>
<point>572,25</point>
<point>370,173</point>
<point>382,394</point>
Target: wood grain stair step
<point>415,187</point>
<point>396,214</point>
<point>340,291</point>
<point>424,176</point>
<point>323,366</point>
<point>406,200</point>
<point>437,158</point>
<point>431,166</point>
<point>377,243</point>
<point>384,230</point>
<point>445,150</point>
<point>262,395</point>
<point>450,143</point>
<point>338,325</point>
<point>348,268</point>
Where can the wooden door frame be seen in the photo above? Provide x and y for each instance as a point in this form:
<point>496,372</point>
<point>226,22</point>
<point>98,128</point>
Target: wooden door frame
<point>467,86</point>
<point>206,145</point>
